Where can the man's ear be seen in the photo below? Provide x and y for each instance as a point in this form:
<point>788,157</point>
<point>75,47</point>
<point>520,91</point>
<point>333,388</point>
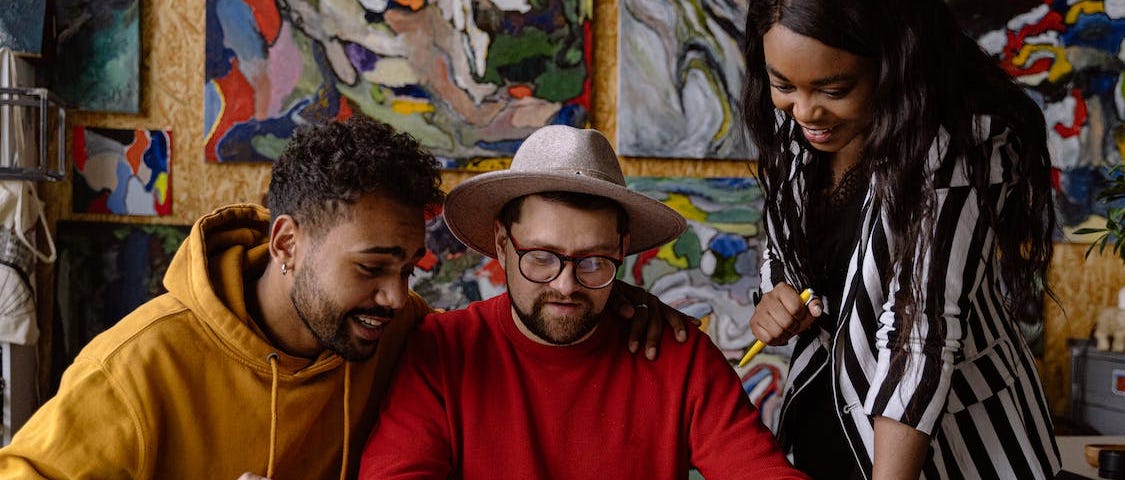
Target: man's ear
<point>499,240</point>
<point>283,240</point>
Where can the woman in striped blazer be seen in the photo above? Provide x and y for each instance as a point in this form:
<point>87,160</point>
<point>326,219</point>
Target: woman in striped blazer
<point>907,183</point>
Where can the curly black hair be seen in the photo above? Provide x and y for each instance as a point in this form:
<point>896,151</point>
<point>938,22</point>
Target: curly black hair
<point>327,166</point>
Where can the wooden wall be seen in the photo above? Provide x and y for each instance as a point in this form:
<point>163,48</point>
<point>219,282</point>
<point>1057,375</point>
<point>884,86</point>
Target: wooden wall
<point>172,97</point>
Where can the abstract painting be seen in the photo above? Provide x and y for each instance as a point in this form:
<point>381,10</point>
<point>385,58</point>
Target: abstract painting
<point>470,80</point>
<point>710,272</point>
<point>21,25</point>
<point>1068,57</point>
<point>680,69</point>
<point>123,172</point>
<point>98,55</point>
<point>452,275</point>
<point>103,272</point>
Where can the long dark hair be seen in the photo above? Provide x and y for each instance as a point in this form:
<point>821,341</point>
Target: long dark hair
<point>931,76</point>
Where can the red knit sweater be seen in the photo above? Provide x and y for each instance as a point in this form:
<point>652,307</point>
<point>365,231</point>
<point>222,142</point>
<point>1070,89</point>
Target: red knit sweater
<point>474,398</point>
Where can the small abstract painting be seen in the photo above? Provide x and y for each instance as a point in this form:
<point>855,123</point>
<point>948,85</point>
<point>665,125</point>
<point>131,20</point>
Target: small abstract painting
<point>710,272</point>
<point>21,25</point>
<point>122,172</point>
<point>103,272</point>
<point>680,77</point>
<point>470,80</point>
<point>98,55</point>
<point>1068,56</point>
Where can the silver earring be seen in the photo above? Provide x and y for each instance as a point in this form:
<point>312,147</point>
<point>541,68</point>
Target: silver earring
<point>284,269</point>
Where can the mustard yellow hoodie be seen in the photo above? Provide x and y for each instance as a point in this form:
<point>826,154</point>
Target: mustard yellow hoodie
<point>182,388</point>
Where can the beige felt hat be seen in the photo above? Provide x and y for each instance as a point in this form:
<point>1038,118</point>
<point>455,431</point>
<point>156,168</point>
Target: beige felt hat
<point>557,158</point>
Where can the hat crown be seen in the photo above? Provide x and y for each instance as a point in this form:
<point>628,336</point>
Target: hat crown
<point>565,149</point>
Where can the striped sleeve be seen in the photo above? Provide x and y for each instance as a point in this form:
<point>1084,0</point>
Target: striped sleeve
<point>913,388</point>
<point>772,271</point>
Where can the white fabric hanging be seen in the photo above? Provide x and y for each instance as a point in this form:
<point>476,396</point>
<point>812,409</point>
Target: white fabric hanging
<point>20,209</point>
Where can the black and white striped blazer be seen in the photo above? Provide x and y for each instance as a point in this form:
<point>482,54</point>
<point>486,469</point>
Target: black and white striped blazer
<point>986,414</point>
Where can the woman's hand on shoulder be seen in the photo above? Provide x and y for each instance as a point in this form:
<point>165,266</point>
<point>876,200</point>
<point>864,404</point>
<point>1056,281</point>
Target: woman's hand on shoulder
<point>781,315</point>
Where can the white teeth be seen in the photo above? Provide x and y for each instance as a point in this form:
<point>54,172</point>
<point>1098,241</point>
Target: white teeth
<point>369,321</point>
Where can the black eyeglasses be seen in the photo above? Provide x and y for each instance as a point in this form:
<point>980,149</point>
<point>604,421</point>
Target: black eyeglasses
<point>543,266</point>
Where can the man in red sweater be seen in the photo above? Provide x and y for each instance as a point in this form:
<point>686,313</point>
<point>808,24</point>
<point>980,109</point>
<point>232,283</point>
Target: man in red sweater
<point>532,383</point>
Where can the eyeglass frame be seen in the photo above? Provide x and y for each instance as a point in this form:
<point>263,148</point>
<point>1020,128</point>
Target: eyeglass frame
<point>563,259</point>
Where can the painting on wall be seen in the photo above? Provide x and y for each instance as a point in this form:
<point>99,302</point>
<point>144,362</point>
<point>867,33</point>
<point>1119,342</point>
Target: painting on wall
<point>710,272</point>
<point>122,172</point>
<point>21,25</point>
<point>98,55</point>
<point>1068,57</point>
<point>690,58</point>
<point>470,80</point>
<point>103,272</point>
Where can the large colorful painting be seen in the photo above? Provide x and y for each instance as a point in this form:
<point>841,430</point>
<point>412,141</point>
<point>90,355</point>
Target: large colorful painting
<point>1068,57</point>
<point>680,70</point>
<point>710,272</point>
<point>123,172</point>
<point>98,55</point>
<point>21,25</point>
<point>470,80</point>
<point>103,272</point>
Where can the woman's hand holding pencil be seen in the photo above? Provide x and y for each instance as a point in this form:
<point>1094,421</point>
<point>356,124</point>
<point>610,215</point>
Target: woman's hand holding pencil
<point>781,314</point>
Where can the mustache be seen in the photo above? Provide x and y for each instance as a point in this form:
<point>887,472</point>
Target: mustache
<point>374,312</point>
<point>577,297</point>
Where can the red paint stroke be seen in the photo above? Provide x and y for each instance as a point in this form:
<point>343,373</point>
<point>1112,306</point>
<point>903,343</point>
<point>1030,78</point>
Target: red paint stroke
<point>642,260</point>
<point>100,204</point>
<point>428,261</point>
<point>238,95</point>
<point>493,272</point>
<point>135,152</point>
<point>587,50</point>
<point>519,91</point>
<point>1079,117</point>
<point>80,148</point>
<point>1056,179</point>
<point>268,18</point>
<point>345,111</point>
<point>1052,21</point>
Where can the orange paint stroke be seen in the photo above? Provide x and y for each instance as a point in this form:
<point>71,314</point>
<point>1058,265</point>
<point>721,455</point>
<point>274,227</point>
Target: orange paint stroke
<point>135,152</point>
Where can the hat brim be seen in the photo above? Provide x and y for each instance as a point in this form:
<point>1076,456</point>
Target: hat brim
<point>473,206</point>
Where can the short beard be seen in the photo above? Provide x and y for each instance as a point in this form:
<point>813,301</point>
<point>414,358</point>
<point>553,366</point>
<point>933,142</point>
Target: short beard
<point>323,319</point>
<point>566,331</point>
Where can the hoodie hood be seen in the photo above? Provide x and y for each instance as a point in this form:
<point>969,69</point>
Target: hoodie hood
<point>221,258</point>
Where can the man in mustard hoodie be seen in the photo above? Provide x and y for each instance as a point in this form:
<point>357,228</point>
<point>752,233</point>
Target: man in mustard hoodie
<point>265,354</point>
<point>277,335</point>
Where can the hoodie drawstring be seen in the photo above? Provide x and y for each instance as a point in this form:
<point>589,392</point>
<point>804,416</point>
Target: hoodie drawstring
<point>272,358</point>
<point>347,420</point>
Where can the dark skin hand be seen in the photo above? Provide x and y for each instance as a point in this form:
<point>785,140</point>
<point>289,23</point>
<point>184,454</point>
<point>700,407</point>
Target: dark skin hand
<point>647,324</point>
<point>781,315</point>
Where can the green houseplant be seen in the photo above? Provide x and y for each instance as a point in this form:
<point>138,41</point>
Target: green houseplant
<point>1113,235</point>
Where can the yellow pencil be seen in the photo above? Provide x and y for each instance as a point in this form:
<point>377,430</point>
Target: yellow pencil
<point>806,296</point>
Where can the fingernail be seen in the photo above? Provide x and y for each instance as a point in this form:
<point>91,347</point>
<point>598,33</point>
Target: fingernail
<point>681,335</point>
<point>815,310</point>
<point>651,353</point>
<point>633,346</point>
